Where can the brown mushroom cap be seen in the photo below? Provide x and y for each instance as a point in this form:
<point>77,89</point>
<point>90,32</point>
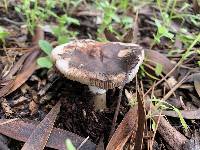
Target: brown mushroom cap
<point>102,64</point>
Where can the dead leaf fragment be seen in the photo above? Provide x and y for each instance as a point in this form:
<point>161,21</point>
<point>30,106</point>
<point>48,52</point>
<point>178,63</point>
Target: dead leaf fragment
<point>6,107</point>
<point>126,128</point>
<point>40,135</point>
<point>154,57</point>
<point>197,85</point>
<point>33,107</point>
<point>141,123</point>
<point>21,130</point>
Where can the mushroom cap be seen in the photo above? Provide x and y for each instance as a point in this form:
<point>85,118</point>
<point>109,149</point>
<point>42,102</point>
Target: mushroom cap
<point>105,65</point>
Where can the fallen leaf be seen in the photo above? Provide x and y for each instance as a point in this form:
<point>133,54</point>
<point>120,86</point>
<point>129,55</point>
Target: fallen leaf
<point>16,67</point>
<point>187,114</point>
<point>141,123</point>
<point>5,89</point>
<point>110,36</point>
<point>26,72</point>
<point>40,135</point>
<point>197,85</point>
<point>21,130</point>
<point>127,127</point>
<point>128,37</point>
<point>33,107</point>
<point>154,57</point>
<point>6,107</point>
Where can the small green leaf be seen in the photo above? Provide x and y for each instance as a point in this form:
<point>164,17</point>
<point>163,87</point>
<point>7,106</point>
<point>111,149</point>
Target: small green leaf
<point>198,63</point>
<point>3,34</point>
<point>159,68</point>
<point>153,125</point>
<point>63,39</point>
<point>69,145</point>
<point>45,46</point>
<point>73,20</point>
<point>184,124</point>
<point>45,62</point>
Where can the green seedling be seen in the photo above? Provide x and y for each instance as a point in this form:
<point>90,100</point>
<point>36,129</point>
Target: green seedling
<point>69,145</point>
<point>109,14</point>
<point>189,51</point>
<point>162,31</point>
<point>161,105</point>
<point>61,32</point>
<point>34,13</point>
<point>3,34</point>
<point>45,62</point>
<point>158,69</point>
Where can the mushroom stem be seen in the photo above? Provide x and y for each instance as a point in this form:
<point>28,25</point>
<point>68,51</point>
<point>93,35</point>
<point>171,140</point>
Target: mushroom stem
<point>99,97</point>
<point>99,101</point>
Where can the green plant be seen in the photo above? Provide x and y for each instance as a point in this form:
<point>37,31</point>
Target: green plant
<point>61,32</point>
<point>45,62</point>
<point>69,145</point>
<point>114,14</point>
<point>189,50</point>
<point>109,14</point>
<point>161,105</point>
<point>3,34</point>
<point>162,31</point>
<point>34,13</point>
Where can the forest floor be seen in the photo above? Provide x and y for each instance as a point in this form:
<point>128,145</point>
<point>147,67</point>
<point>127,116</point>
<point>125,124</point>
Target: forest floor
<point>159,108</point>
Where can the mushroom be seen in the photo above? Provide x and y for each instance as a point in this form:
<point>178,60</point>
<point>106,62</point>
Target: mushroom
<point>100,65</point>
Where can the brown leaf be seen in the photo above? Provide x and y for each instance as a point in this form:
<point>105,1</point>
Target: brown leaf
<point>154,57</point>
<point>128,37</point>
<point>127,127</point>
<point>141,123</point>
<point>16,67</point>
<point>110,36</point>
<point>6,107</point>
<point>197,85</point>
<point>21,130</point>
<point>5,89</point>
<point>187,114</point>
<point>33,107</point>
<point>39,34</point>
<point>26,71</point>
<point>29,66</point>
<point>40,135</point>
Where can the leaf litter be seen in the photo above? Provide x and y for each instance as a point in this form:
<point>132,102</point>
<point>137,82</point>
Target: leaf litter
<point>34,91</point>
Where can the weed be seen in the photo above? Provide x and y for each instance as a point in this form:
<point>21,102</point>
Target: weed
<point>34,13</point>
<point>112,17</point>
<point>63,35</point>
<point>45,62</point>
<point>69,145</point>
<point>3,35</point>
<point>189,50</point>
<point>109,14</point>
<point>162,31</point>
<point>161,105</point>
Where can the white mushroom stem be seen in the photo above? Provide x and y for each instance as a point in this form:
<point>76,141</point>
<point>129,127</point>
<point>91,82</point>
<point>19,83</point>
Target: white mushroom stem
<point>99,97</point>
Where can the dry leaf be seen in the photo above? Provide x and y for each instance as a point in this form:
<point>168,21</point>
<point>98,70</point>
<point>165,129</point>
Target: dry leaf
<point>110,36</point>
<point>127,127</point>
<point>33,107</point>
<point>40,135</point>
<point>21,130</point>
<point>141,123</point>
<point>154,57</point>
